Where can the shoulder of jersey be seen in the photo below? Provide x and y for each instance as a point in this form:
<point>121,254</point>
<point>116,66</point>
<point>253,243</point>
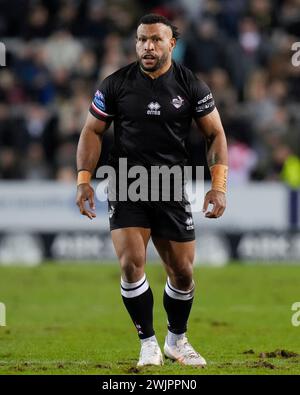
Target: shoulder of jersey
<point>185,72</point>
<point>123,72</point>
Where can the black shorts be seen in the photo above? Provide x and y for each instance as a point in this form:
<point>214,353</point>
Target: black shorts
<point>168,220</point>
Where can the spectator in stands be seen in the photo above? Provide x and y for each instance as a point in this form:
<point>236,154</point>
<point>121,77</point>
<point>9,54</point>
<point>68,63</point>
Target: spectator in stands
<point>58,50</point>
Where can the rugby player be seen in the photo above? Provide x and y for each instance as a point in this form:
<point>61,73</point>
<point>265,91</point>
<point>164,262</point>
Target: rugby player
<point>152,103</point>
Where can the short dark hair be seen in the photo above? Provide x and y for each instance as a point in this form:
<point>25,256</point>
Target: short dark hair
<point>150,19</point>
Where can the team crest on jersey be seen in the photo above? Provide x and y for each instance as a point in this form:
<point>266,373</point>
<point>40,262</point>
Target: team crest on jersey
<point>99,100</point>
<point>153,108</point>
<point>189,223</point>
<point>177,101</point>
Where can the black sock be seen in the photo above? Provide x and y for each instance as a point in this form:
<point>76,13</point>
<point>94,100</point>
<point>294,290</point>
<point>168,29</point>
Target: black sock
<point>138,300</point>
<point>178,305</point>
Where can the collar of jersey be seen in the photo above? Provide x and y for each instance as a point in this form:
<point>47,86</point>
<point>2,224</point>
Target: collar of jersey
<point>162,76</point>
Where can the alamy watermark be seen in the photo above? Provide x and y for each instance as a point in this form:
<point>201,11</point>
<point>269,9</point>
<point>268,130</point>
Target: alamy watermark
<point>296,55</point>
<point>2,314</point>
<point>2,54</point>
<point>152,184</point>
<point>296,316</point>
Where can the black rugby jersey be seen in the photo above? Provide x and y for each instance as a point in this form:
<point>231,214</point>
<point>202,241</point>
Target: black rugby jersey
<point>152,117</point>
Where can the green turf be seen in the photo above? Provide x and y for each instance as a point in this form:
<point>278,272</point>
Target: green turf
<point>70,320</point>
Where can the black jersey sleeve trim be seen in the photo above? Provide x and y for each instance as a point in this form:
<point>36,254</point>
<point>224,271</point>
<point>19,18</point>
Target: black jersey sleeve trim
<point>207,109</point>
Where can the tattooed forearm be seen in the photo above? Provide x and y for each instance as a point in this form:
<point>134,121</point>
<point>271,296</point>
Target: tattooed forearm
<point>213,160</point>
<point>216,146</point>
<point>212,153</point>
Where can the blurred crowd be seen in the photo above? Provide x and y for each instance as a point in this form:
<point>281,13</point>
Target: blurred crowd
<point>58,50</point>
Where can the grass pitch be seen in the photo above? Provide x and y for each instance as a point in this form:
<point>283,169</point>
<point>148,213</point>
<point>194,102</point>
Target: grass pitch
<point>71,320</point>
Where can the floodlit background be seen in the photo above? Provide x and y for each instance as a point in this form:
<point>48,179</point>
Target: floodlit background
<point>57,52</point>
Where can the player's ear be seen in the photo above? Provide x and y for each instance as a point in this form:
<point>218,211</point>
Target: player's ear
<point>173,42</point>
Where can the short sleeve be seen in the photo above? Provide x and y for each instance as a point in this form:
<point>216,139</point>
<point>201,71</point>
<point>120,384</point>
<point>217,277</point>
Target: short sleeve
<point>202,99</point>
<point>103,104</point>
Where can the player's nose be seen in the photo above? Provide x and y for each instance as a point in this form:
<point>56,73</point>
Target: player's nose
<point>149,45</point>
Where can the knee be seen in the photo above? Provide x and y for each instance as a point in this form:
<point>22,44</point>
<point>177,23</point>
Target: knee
<point>182,275</point>
<point>132,266</point>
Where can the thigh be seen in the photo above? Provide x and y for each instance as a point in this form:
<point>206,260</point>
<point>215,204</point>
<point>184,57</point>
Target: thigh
<point>131,243</point>
<point>177,256</point>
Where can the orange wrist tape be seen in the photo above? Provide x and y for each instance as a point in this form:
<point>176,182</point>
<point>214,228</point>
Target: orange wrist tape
<point>219,177</point>
<point>83,177</point>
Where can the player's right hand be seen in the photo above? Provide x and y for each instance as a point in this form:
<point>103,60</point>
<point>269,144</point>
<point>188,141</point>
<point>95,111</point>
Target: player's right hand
<point>85,193</point>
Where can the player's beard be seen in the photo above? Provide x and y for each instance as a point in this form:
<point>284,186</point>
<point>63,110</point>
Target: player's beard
<point>160,62</point>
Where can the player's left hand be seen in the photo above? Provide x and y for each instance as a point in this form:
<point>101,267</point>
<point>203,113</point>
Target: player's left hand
<point>218,200</point>
<point>86,193</point>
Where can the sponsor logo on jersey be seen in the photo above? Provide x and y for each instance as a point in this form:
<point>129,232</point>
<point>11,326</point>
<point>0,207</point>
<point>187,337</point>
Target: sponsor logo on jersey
<point>177,101</point>
<point>205,106</point>
<point>205,103</point>
<point>189,223</point>
<point>205,98</point>
<point>99,100</point>
<point>153,108</point>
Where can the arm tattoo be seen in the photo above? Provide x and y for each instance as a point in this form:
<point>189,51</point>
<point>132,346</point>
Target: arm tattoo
<point>212,156</point>
<point>213,160</point>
